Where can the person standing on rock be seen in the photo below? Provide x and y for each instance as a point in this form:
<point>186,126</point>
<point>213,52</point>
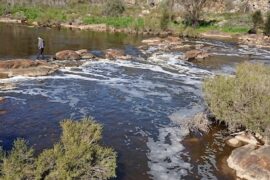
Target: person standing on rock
<point>41,46</point>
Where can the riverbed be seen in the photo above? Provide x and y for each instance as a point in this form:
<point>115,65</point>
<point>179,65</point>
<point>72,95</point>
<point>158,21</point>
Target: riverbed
<point>143,103</point>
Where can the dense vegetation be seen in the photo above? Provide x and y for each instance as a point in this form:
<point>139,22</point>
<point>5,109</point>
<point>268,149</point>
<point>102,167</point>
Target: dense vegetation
<point>193,18</point>
<point>78,155</point>
<point>243,99</point>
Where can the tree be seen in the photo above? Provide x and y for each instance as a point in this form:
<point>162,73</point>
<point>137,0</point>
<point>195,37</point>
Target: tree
<point>114,8</point>
<point>257,19</point>
<point>267,25</point>
<point>193,10</point>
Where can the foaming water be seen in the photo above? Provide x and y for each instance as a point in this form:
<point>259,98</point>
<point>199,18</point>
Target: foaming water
<point>133,100</point>
<point>143,105</point>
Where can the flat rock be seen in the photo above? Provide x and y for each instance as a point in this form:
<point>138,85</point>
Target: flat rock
<point>67,55</point>
<point>251,163</point>
<point>25,67</point>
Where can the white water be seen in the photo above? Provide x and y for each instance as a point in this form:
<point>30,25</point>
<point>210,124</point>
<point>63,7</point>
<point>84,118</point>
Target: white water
<point>170,77</point>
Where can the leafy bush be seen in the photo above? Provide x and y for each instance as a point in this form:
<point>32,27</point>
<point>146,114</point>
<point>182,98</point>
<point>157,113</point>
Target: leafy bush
<point>114,8</point>
<point>78,155</point>
<point>267,25</point>
<point>243,99</point>
<point>257,19</point>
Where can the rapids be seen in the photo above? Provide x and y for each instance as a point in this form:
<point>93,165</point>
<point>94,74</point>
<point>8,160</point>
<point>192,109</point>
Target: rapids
<point>142,104</point>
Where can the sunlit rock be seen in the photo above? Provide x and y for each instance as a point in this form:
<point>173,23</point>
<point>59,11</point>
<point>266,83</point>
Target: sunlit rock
<point>251,163</point>
<point>24,67</point>
<point>67,55</point>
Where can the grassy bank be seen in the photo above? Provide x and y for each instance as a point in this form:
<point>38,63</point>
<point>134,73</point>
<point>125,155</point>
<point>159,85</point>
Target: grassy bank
<point>132,18</point>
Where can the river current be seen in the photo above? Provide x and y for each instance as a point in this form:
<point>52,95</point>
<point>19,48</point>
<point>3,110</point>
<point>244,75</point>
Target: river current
<point>143,104</point>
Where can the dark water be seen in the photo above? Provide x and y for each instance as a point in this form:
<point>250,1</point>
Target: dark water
<point>143,104</point>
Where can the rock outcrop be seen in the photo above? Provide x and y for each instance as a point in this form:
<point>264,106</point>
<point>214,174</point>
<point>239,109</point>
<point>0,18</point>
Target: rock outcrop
<point>251,163</point>
<point>24,67</point>
<point>67,55</point>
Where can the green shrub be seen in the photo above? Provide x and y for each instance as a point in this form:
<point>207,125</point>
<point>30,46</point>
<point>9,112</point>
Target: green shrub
<point>257,19</point>
<point>114,8</point>
<point>19,163</point>
<point>267,25</point>
<point>78,155</point>
<point>243,99</point>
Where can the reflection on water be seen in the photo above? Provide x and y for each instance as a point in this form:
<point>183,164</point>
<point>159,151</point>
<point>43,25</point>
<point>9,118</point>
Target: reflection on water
<point>142,104</point>
<point>18,41</point>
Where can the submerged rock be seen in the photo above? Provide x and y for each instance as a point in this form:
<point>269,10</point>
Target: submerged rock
<point>67,55</point>
<point>152,41</point>
<point>85,54</point>
<point>116,54</point>
<point>251,163</point>
<point>25,67</point>
<point>2,99</point>
<point>7,86</point>
<point>196,55</point>
<point>2,112</point>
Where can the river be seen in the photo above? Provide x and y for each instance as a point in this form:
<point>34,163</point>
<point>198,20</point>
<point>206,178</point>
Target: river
<point>143,104</point>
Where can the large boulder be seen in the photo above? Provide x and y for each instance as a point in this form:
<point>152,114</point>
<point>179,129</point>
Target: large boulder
<point>67,55</point>
<point>24,67</point>
<point>196,55</point>
<point>251,163</point>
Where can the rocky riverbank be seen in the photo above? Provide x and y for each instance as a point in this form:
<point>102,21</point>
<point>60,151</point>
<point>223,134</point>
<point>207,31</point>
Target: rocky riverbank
<point>246,39</point>
<point>32,68</point>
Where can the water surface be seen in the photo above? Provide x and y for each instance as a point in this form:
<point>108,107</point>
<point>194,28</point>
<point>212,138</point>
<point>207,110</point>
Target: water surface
<point>143,104</point>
